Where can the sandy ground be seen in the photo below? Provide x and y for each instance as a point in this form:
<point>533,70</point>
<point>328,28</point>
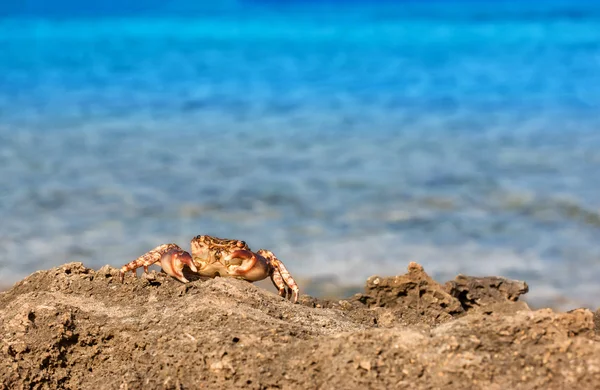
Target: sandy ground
<point>76,328</point>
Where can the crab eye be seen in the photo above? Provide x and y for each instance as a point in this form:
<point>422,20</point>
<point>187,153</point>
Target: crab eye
<point>241,244</point>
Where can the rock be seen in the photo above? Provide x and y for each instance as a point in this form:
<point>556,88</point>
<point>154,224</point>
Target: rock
<point>75,328</point>
<point>481,291</point>
<point>414,297</point>
<point>597,321</point>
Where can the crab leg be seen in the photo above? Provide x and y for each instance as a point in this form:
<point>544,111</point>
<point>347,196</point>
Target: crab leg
<point>278,282</point>
<point>289,281</point>
<point>279,271</point>
<point>172,260</point>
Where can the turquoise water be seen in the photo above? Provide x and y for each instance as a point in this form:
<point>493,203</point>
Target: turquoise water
<point>349,139</point>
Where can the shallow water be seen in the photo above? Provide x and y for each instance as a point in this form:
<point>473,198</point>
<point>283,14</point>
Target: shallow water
<point>349,140</point>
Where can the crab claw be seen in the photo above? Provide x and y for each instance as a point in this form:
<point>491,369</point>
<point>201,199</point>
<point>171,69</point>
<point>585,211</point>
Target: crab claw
<point>173,262</point>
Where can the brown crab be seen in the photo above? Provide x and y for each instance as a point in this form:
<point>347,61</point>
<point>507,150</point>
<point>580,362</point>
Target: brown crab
<point>212,256</point>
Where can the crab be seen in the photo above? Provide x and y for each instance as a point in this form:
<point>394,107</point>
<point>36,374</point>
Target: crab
<point>213,256</point>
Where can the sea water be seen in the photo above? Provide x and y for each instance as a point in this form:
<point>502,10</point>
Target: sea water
<point>349,138</point>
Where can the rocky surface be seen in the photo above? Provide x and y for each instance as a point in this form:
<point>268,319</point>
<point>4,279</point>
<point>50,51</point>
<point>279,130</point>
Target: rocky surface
<point>75,328</point>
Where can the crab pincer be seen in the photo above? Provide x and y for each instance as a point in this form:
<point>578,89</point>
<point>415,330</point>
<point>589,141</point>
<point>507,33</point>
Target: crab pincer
<point>171,257</point>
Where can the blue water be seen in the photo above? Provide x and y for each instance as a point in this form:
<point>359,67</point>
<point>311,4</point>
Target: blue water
<point>349,139</point>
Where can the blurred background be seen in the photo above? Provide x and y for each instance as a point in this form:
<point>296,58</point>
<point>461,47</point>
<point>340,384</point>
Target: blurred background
<point>349,137</point>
